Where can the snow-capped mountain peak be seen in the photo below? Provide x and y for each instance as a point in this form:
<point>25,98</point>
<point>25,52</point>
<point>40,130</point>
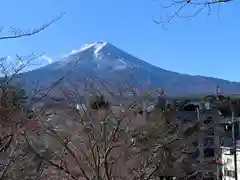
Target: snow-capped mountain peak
<point>108,62</point>
<point>99,46</point>
<point>96,45</point>
<point>99,56</point>
<point>87,46</point>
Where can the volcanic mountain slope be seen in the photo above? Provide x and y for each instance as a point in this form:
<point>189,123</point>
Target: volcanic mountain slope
<point>105,61</point>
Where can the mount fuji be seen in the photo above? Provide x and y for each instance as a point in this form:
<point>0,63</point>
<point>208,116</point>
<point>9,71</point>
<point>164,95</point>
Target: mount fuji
<point>108,63</point>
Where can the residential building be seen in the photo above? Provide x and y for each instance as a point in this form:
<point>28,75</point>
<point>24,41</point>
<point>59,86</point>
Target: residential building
<point>227,163</point>
<point>210,134</point>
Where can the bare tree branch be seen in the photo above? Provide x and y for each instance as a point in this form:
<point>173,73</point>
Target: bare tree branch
<point>18,33</point>
<point>177,7</point>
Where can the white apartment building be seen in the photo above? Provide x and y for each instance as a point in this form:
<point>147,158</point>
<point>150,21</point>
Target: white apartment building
<point>228,163</point>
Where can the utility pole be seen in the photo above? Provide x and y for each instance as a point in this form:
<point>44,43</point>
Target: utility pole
<point>234,146</point>
<point>216,136</point>
<point>234,141</point>
<point>200,146</point>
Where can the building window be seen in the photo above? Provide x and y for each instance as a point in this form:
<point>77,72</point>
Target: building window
<point>209,152</point>
<point>208,142</point>
<point>210,131</point>
<point>229,173</point>
<point>229,161</point>
<point>228,127</point>
<point>221,141</point>
<point>208,120</point>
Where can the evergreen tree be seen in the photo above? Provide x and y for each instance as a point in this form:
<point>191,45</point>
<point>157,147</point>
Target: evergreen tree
<point>98,101</point>
<point>19,97</point>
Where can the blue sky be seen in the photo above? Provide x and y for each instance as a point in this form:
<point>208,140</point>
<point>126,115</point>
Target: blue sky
<point>204,45</point>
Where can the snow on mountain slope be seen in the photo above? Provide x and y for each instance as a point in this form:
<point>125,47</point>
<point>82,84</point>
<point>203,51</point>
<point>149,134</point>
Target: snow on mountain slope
<point>94,55</point>
<point>105,61</point>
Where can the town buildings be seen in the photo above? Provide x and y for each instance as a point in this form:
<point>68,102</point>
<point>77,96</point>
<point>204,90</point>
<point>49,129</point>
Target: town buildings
<point>227,165</point>
<point>213,129</point>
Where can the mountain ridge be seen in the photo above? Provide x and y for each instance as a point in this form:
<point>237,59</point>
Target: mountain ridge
<point>107,62</point>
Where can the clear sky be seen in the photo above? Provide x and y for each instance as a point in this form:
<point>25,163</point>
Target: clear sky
<point>205,45</point>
